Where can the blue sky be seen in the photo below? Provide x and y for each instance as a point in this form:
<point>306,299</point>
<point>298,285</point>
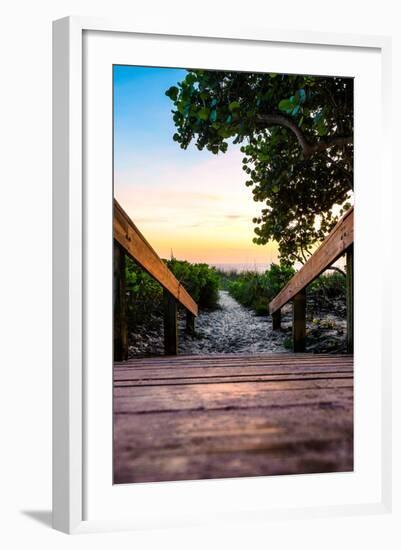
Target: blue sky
<point>190,201</point>
<point>143,123</point>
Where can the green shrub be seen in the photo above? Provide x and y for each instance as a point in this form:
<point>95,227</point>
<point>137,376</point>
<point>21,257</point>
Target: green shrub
<point>144,294</point>
<point>261,307</point>
<point>276,278</point>
<point>255,290</point>
<point>288,342</point>
<point>226,277</point>
<point>200,280</point>
<point>327,293</point>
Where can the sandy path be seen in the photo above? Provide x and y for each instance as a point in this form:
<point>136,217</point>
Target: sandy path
<point>231,328</point>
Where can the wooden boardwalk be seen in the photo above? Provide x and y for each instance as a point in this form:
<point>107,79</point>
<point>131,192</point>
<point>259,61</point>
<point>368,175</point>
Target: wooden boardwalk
<point>202,417</point>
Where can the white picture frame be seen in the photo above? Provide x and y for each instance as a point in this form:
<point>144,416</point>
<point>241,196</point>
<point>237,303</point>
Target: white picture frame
<point>71,225</point>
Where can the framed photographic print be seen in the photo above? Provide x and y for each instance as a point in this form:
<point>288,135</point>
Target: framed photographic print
<point>213,207</point>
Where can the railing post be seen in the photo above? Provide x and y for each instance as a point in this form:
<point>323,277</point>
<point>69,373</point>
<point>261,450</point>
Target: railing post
<point>170,324</point>
<point>120,336</point>
<point>276,319</point>
<point>190,323</point>
<point>350,299</point>
<point>299,321</point>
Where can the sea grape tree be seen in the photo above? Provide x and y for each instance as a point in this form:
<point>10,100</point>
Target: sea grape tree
<point>296,134</point>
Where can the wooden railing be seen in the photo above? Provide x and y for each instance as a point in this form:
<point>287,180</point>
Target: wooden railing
<point>128,240</point>
<point>339,241</point>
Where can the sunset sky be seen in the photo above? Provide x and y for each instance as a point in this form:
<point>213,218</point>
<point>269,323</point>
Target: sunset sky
<point>188,201</point>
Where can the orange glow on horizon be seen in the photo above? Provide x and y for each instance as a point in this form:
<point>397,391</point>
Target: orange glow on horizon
<point>207,220</point>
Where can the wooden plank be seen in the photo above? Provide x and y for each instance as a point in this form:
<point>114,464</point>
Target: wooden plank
<point>277,320</point>
<point>269,357</point>
<point>187,374</point>
<point>248,442</point>
<point>170,322</point>
<point>238,377</point>
<point>183,372</point>
<point>219,366</point>
<point>120,330</point>
<point>299,321</point>
<point>335,244</point>
<point>190,323</point>
<point>137,247</point>
<point>350,299</point>
<point>228,396</point>
<point>192,362</point>
<point>209,375</point>
<point>162,370</point>
<point>244,416</point>
<point>232,379</point>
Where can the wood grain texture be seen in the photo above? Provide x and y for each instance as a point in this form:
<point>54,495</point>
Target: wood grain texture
<point>137,247</point>
<point>194,417</point>
<point>276,317</point>
<point>334,245</point>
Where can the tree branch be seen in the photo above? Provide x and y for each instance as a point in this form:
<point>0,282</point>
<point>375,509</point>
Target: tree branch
<point>324,144</point>
<point>308,149</point>
<point>280,120</point>
<point>334,268</point>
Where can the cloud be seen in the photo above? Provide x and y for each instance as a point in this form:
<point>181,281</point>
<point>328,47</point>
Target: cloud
<point>202,210</point>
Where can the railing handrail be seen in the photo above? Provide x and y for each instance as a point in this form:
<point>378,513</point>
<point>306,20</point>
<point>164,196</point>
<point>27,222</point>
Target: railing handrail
<point>137,247</point>
<point>340,238</point>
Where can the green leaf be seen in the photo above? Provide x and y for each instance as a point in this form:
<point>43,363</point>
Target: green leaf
<point>213,115</point>
<point>203,114</point>
<point>301,96</point>
<point>172,93</point>
<point>190,78</point>
<point>234,105</point>
<point>224,132</point>
<point>317,117</point>
<point>286,106</point>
